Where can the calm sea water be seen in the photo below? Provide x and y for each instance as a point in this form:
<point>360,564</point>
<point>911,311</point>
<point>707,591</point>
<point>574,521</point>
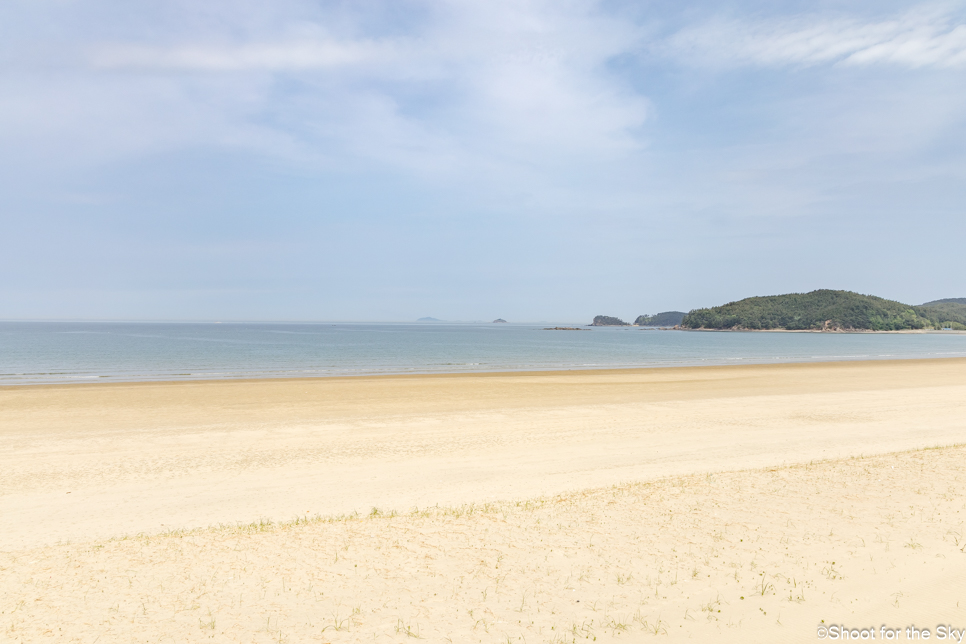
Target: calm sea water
<point>64,352</point>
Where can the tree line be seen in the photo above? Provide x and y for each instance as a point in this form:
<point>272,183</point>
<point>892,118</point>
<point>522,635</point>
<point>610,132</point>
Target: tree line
<point>827,310</point>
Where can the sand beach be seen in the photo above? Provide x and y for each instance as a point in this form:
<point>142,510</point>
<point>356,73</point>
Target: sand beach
<point>744,504</point>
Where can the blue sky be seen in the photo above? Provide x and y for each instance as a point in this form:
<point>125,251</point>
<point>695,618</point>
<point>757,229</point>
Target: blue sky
<point>469,160</point>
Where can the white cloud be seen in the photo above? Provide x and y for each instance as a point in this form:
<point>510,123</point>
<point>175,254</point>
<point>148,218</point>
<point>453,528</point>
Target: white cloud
<point>496,92</point>
<point>491,100</point>
<point>266,56</point>
<point>921,38</point>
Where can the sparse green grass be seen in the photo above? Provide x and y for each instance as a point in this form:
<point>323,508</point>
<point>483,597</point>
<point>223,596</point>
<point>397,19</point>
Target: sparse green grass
<point>209,624</point>
<point>764,586</point>
<point>529,563</point>
<point>338,623</point>
<point>403,628</point>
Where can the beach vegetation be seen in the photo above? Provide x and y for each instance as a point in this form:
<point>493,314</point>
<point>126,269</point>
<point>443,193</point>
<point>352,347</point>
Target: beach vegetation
<point>208,624</point>
<point>658,627</point>
<point>338,623</point>
<point>402,628</point>
<point>764,586</point>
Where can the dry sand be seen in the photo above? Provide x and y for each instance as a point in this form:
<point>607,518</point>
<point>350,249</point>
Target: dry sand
<point>625,534</point>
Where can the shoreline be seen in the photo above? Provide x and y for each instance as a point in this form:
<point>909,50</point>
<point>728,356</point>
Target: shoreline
<point>736,362</point>
<point>829,332</point>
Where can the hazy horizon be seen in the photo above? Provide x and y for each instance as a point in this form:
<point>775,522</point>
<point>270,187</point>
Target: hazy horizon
<point>627,318</point>
<point>535,161</point>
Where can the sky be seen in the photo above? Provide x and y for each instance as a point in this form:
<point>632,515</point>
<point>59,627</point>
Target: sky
<point>529,160</point>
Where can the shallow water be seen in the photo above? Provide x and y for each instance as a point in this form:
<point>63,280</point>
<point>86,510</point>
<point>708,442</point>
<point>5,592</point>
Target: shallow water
<point>63,352</point>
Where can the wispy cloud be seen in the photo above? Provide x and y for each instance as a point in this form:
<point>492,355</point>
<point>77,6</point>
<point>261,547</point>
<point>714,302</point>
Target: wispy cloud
<point>571,143</point>
<point>495,91</point>
<point>499,99</point>
<point>923,37</point>
<point>264,56</point>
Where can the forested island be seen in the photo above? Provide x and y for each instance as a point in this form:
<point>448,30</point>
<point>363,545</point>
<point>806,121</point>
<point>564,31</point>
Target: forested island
<point>667,318</point>
<point>607,320</point>
<point>828,310</point>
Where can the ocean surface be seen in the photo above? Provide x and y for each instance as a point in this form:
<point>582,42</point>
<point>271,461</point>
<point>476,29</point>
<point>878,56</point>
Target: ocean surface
<point>70,352</point>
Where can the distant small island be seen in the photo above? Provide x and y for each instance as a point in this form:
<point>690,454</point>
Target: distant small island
<point>565,328</point>
<point>667,318</point>
<point>828,310</point>
<point>428,320</point>
<point>606,320</point>
<point>499,321</point>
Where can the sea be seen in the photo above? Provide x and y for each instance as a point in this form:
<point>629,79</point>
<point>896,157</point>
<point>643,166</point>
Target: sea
<point>34,353</point>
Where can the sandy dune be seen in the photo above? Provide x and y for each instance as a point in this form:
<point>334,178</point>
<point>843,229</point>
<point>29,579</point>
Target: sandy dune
<point>627,518</point>
<point>752,556</point>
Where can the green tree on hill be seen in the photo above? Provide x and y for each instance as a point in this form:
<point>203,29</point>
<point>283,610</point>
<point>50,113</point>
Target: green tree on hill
<point>949,313</point>
<point>818,310</point>
<point>607,320</point>
<point>667,318</point>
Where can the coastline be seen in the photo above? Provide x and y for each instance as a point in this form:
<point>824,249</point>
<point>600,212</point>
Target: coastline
<point>106,380</point>
<point>85,353</point>
<point>673,371</point>
<point>827,332</point>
